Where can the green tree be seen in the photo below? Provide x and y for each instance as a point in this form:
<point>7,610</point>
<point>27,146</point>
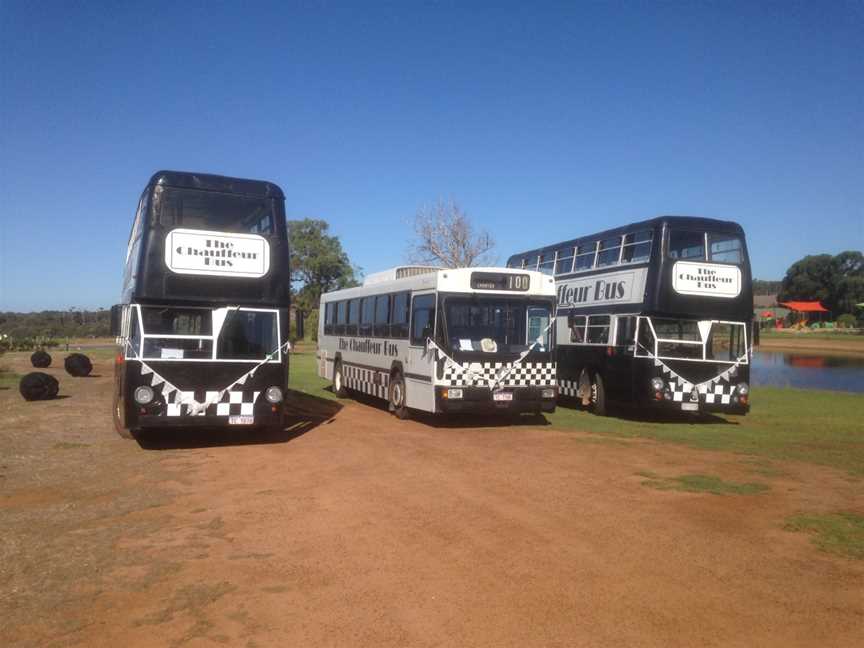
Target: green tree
<point>318,263</point>
<point>836,281</point>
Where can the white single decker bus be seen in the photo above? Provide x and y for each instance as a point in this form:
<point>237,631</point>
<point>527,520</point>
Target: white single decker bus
<point>441,340</point>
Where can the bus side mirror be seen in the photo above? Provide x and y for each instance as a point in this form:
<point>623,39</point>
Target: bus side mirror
<point>116,319</point>
<point>571,320</point>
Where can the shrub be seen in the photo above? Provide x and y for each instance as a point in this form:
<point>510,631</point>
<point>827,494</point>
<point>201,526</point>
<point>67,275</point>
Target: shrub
<point>847,320</point>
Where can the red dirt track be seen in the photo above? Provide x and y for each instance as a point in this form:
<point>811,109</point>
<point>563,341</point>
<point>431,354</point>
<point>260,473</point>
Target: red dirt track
<point>356,529</point>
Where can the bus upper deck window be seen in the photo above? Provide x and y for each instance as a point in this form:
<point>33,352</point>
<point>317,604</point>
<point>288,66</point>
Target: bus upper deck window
<point>547,263</point>
<point>564,264</point>
<point>637,247</point>
<point>725,248</point>
<point>686,244</point>
<point>585,256</point>
<point>610,250</point>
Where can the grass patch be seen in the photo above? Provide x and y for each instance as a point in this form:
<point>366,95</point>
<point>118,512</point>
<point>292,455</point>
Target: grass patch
<point>813,426</point>
<point>8,378</point>
<point>303,373</point>
<point>841,534</point>
<point>703,484</point>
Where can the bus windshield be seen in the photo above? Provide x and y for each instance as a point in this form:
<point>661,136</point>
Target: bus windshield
<point>188,334</point>
<point>210,210</point>
<point>710,340</point>
<point>492,324</point>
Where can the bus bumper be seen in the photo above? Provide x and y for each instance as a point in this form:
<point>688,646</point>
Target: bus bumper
<point>687,407</point>
<point>480,400</point>
<point>263,417</point>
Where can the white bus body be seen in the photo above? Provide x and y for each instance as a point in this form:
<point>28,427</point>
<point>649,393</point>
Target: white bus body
<point>443,340</point>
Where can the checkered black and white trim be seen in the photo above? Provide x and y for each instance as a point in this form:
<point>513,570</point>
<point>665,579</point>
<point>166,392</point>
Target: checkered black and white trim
<point>233,403</point>
<point>568,387</point>
<point>710,394</point>
<point>367,381</point>
<point>482,374</point>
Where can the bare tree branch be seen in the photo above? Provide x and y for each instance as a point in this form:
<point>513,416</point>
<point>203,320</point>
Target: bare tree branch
<point>445,236</point>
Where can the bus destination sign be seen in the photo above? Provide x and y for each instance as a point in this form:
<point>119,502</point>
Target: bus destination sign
<point>714,280</point>
<point>228,254</point>
<point>500,281</point>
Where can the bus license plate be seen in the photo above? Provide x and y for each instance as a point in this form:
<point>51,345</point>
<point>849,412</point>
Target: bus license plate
<point>241,420</point>
<point>690,407</point>
<point>502,396</point>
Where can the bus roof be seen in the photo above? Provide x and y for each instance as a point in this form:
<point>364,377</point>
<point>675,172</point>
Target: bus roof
<point>210,182</point>
<point>445,279</point>
<point>695,222</point>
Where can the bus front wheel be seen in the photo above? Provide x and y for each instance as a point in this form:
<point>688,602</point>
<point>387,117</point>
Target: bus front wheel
<point>119,423</point>
<point>396,394</point>
<point>339,381</point>
<point>598,395</point>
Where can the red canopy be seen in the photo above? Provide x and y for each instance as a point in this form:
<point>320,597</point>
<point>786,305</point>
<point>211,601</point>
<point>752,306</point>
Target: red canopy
<point>805,307</point>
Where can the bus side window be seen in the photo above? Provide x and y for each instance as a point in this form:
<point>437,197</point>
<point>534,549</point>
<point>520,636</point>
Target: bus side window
<point>367,314</point>
<point>340,318</point>
<point>353,316</point>
<point>134,334</point>
<point>577,328</point>
<point>328,318</point>
<point>598,329</point>
<point>422,319</point>
<point>626,330</point>
<point>399,316</point>
<point>382,312</point>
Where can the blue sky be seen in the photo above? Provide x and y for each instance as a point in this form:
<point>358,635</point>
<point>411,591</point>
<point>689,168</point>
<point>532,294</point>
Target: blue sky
<point>543,121</point>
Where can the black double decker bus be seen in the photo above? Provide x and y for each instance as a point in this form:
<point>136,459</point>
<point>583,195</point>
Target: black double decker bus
<point>203,324</point>
<point>657,312</point>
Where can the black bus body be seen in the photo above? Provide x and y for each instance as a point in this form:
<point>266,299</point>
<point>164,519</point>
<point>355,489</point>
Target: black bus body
<point>204,315</point>
<point>656,313</point>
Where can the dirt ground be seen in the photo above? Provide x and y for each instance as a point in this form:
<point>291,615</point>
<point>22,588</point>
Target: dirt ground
<point>848,345</point>
<point>355,529</point>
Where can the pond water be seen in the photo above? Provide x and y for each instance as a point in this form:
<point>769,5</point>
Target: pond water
<point>808,371</point>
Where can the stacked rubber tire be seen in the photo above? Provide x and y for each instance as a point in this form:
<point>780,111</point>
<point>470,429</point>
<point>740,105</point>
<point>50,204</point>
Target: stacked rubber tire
<point>38,386</point>
<point>40,359</point>
<point>78,365</point>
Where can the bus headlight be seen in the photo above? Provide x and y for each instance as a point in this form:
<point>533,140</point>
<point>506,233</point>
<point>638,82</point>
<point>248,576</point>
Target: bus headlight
<point>273,395</point>
<point>657,384</point>
<point>452,393</point>
<point>143,395</point>
<point>743,389</point>
<point>547,393</point>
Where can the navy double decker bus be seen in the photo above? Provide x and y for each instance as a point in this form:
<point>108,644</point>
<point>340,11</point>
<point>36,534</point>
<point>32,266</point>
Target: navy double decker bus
<point>203,323</point>
<point>657,313</point>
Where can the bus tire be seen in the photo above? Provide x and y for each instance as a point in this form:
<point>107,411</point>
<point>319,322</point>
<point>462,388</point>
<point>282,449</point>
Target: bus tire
<point>396,396</point>
<point>339,381</point>
<point>119,425</point>
<point>598,395</point>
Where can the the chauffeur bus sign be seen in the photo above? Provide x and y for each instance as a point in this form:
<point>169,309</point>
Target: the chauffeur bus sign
<point>435,340</point>
<point>657,312</point>
<point>203,323</point>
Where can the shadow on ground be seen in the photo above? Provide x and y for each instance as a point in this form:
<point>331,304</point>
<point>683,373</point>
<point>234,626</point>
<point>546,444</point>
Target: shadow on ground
<point>304,414</point>
<point>638,414</point>
<point>454,421</point>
